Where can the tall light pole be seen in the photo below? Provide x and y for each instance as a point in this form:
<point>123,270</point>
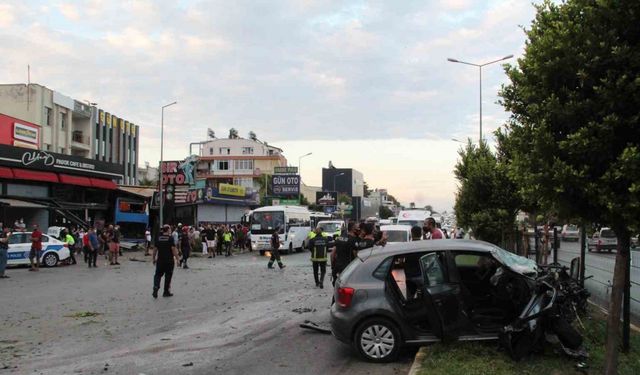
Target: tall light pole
<point>161,192</point>
<point>300,174</point>
<point>480,70</point>
<point>334,180</point>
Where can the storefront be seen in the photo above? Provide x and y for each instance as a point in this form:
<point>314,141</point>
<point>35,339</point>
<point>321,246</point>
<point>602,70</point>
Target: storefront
<point>48,188</point>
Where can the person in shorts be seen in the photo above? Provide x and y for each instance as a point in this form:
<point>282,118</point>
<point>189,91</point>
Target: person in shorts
<point>36,248</point>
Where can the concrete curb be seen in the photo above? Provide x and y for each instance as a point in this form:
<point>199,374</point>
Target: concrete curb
<point>416,367</point>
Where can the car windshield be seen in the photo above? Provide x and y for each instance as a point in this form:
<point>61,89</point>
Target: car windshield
<point>607,233</point>
<point>516,263</point>
<point>411,223</point>
<point>572,228</point>
<point>266,222</point>
<point>330,227</point>
<point>396,236</point>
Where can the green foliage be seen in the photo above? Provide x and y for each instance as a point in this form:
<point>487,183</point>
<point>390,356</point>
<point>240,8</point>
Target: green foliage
<point>486,200</point>
<point>385,212</point>
<point>344,198</point>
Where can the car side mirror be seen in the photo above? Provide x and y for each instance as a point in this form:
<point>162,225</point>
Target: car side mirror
<point>574,271</point>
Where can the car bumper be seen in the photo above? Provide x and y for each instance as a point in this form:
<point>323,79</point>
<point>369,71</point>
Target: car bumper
<point>341,327</point>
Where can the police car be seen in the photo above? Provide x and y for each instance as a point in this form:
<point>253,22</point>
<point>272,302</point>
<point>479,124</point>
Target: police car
<point>53,251</point>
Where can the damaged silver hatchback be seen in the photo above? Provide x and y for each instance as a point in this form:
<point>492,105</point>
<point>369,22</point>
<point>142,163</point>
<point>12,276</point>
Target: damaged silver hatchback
<point>447,290</point>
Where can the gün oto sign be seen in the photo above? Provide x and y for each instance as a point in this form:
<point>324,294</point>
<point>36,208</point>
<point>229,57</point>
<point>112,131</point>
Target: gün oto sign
<point>285,184</point>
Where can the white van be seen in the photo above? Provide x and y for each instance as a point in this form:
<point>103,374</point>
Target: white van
<point>293,223</point>
<point>396,233</point>
<point>413,217</point>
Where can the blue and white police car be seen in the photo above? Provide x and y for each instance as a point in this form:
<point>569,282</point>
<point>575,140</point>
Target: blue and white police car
<point>53,251</point>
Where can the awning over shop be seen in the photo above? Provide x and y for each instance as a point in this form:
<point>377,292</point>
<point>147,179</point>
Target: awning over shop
<point>6,172</point>
<point>19,203</point>
<point>24,174</point>
<point>103,184</point>
<point>141,191</point>
<point>75,180</point>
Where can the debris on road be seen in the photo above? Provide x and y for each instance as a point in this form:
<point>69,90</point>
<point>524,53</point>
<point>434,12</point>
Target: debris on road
<point>83,314</point>
<point>315,327</point>
<point>302,310</point>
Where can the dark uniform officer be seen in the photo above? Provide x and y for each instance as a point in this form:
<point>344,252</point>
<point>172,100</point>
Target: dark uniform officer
<point>275,253</point>
<point>319,246</point>
<point>164,253</point>
<point>345,251</point>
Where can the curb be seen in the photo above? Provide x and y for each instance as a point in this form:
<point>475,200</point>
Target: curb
<point>416,367</point>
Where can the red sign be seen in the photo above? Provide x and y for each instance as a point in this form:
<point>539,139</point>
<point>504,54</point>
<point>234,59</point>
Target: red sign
<point>15,132</point>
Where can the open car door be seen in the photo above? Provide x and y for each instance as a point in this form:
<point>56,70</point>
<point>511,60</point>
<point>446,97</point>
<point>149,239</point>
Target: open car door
<point>442,298</point>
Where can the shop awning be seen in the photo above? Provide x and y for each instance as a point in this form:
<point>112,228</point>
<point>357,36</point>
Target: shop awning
<point>6,172</point>
<point>103,184</point>
<point>75,180</point>
<point>19,203</point>
<point>25,174</point>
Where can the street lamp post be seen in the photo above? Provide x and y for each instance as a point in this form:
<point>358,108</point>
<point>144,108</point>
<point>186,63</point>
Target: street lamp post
<point>300,174</point>
<point>334,180</point>
<point>161,195</point>
<point>480,70</point>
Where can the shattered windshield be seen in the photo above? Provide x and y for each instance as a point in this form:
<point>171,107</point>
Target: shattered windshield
<point>516,263</point>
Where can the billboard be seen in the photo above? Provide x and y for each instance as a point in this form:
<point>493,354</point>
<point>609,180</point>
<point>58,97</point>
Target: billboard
<point>327,198</point>
<point>177,178</point>
<point>285,184</point>
<point>285,170</point>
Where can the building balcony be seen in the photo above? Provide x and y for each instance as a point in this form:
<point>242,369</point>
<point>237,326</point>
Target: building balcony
<point>80,141</point>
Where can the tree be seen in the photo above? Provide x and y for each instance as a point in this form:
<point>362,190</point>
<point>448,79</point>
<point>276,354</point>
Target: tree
<point>144,181</point>
<point>385,212</point>
<point>344,198</point>
<point>366,190</point>
<point>573,139</point>
<point>486,200</point>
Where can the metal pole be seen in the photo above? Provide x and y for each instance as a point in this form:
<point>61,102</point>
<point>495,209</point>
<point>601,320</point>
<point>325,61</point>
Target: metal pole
<point>583,252</point>
<point>555,245</point>
<point>480,140</point>
<point>160,190</point>
<point>626,297</point>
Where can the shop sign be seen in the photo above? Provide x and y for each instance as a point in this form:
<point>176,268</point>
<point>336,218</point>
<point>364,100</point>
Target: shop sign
<point>326,198</point>
<point>25,133</point>
<point>285,184</point>
<point>285,170</point>
<point>228,189</point>
<point>177,177</point>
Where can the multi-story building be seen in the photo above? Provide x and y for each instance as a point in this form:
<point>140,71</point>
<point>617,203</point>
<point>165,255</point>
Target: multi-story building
<point>343,180</point>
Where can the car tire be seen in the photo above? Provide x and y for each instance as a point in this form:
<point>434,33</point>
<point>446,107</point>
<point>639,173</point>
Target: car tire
<point>50,259</point>
<point>377,340</point>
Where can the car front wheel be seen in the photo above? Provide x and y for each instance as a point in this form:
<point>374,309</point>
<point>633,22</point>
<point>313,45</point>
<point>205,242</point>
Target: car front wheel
<point>50,259</point>
<point>377,340</point>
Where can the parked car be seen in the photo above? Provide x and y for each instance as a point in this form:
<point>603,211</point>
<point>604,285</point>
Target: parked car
<point>604,239</point>
<point>53,251</point>
<point>428,291</point>
<point>396,233</point>
<point>570,232</point>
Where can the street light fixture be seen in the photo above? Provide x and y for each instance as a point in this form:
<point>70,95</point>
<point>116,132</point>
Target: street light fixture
<point>161,193</point>
<point>300,174</point>
<point>480,69</point>
<point>334,180</point>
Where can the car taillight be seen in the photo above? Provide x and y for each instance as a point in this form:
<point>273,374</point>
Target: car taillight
<point>345,295</point>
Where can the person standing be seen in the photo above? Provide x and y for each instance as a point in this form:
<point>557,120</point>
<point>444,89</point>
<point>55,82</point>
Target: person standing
<point>4,249</point>
<point>70,242</point>
<point>227,237</point>
<point>36,248</point>
<point>147,237</point>
<point>210,237</point>
<point>19,225</point>
<point>345,250</point>
<point>431,231</point>
<point>416,233</point>
<point>111,245</point>
<point>319,246</point>
<point>94,247</point>
<point>275,253</point>
<point>116,240</point>
<point>185,246</point>
<point>220,235</point>
<point>164,253</point>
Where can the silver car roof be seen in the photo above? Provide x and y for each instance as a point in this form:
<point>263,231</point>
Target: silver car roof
<point>427,245</point>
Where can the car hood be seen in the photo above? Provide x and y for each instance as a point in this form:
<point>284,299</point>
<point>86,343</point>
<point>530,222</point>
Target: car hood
<point>516,263</point>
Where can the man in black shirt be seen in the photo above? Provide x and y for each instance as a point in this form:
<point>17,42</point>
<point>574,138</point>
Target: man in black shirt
<point>164,253</point>
<point>219,234</point>
<point>210,237</point>
<point>275,253</point>
<point>319,246</point>
<point>345,251</point>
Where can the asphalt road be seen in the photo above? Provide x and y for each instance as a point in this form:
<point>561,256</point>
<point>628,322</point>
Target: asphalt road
<point>600,266</point>
<point>228,315</point>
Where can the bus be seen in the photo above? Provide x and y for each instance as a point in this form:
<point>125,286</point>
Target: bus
<point>132,215</point>
<point>293,223</point>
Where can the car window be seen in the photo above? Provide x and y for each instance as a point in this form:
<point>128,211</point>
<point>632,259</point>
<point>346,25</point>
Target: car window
<point>607,233</point>
<point>383,269</point>
<point>45,238</point>
<point>432,269</point>
<point>349,270</point>
<point>17,238</point>
<point>396,236</point>
<point>466,260</point>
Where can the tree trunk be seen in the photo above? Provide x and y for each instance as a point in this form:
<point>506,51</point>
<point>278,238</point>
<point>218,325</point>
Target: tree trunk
<point>612,342</point>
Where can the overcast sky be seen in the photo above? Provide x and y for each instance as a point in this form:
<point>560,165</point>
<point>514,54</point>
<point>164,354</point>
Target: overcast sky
<point>300,74</point>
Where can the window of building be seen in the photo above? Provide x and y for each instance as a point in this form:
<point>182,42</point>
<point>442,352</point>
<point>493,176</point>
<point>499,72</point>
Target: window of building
<point>63,120</point>
<point>243,181</point>
<point>223,165</point>
<point>47,147</point>
<point>62,150</point>
<point>47,116</point>
<point>225,151</point>
<point>210,150</point>
<point>247,151</point>
<point>244,165</point>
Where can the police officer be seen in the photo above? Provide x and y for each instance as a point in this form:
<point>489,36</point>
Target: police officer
<point>275,253</point>
<point>345,251</point>
<point>164,253</point>
<point>319,246</point>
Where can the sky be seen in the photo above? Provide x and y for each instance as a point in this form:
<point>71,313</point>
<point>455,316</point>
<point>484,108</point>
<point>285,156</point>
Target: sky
<point>365,84</point>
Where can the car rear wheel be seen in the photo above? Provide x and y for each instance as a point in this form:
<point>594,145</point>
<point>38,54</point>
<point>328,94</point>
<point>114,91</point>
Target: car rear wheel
<point>50,259</point>
<point>377,340</point>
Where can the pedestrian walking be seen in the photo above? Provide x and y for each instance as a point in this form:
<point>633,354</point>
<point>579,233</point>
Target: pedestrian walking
<point>319,246</point>
<point>93,247</point>
<point>275,252</point>
<point>36,248</point>
<point>70,242</point>
<point>111,245</point>
<point>185,246</point>
<point>116,240</point>
<point>210,237</point>
<point>147,236</point>
<point>4,249</point>
<point>227,237</point>
<point>164,253</point>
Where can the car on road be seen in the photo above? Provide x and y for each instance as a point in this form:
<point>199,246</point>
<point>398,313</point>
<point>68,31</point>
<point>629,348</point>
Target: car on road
<point>604,239</point>
<point>570,232</point>
<point>53,250</point>
<point>430,291</point>
<point>396,233</point>
<point>332,227</point>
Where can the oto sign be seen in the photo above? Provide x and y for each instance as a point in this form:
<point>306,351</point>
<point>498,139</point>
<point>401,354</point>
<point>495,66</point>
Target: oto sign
<point>285,184</point>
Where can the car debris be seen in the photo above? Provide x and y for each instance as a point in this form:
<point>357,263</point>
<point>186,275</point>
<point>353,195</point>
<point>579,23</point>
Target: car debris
<point>315,327</point>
